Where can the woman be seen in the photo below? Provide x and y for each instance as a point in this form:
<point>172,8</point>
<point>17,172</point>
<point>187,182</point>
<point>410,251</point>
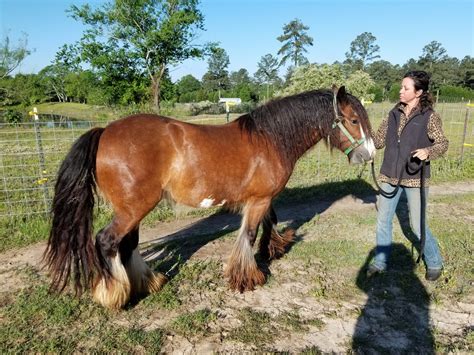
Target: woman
<point>411,133</point>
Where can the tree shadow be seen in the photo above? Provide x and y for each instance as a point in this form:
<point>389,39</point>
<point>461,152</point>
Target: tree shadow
<point>294,207</point>
<point>395,318</point>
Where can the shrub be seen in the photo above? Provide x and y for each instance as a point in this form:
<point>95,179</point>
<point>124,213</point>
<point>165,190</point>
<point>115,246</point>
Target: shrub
<point>244,107</point>
<point>455,93</point>
<point>206,107</point>
<point>12,116</point>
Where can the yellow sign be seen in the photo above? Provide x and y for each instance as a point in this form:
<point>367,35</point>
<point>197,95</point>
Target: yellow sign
<point>42,181</point>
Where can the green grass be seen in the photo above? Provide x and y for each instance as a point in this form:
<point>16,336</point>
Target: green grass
<point>193,324</point>
<point>260,329</point>
<point>35,321</point>
<point>18,232</point>
<point>79,111</point>
<point>291,321</point>
<point>192,279</point>
<point>450,218</point>
<point>328,259</point>
<point>335,250</point>
<point>256,328</point>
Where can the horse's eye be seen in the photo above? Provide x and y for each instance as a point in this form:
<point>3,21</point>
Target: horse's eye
<point>354,122</point>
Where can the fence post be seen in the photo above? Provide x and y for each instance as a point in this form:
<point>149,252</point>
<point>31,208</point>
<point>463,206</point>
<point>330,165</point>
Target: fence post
<point>39,146</point>
<point>466,119</point>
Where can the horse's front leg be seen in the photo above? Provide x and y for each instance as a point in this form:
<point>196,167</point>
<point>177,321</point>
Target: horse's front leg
<point>273,244</point>
<point>242,270</point>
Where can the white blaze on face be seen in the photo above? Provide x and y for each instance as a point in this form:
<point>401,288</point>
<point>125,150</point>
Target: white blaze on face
<point>368,144</point>
<point>206,203</point>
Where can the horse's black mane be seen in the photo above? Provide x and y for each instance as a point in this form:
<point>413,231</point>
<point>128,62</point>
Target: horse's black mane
<point>290,121</point>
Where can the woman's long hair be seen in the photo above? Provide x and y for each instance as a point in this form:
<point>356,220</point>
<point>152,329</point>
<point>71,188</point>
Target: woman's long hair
<point>422,82</point>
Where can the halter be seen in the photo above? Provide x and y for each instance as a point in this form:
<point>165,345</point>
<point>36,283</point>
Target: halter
<point>338,123</point>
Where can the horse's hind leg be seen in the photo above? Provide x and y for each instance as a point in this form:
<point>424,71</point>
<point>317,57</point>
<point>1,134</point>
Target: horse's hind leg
<point>124,272</point>
<point>142,279</point>
<point>242,270</point>
<point>272,244</point>
<point>112,287</point>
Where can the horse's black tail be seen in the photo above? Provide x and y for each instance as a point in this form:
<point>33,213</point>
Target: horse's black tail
<point>70,247</point>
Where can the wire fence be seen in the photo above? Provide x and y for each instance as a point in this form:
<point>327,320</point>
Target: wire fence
<point>30,155</point>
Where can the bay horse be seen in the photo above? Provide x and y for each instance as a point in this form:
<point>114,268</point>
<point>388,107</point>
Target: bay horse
<point>242,165</point>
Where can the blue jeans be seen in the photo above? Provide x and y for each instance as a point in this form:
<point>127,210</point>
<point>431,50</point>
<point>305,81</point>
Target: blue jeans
<point>386,212</point>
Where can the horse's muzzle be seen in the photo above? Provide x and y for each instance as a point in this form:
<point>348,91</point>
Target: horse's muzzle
<point>361,155</point>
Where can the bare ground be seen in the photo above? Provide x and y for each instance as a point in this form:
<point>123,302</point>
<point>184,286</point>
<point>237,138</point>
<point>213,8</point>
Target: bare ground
<point>363,322</point>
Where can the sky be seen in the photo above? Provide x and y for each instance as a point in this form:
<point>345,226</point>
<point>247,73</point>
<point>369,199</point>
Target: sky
<point>248,29</point>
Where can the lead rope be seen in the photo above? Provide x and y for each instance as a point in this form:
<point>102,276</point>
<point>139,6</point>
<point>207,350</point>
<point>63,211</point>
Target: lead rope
<point>422,212</point>
<point>380,190</point>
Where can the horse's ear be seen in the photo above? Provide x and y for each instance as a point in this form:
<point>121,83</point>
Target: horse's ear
<point>341,94</point>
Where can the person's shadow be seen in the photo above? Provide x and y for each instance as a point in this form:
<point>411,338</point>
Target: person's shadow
<point>395,318</point>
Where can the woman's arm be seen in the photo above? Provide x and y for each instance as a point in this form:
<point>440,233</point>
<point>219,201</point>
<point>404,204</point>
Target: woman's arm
<point>436,134</point>
<point>379,137</point>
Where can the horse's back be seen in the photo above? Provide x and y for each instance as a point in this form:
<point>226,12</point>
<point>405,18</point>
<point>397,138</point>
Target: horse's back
<point>194,163</point>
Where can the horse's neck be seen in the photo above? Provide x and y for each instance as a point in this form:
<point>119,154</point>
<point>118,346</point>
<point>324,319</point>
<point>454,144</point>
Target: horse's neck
<point>315,139</point>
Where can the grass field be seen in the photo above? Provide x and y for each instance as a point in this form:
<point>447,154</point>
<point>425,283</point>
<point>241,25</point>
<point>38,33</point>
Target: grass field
<point>319,284</point>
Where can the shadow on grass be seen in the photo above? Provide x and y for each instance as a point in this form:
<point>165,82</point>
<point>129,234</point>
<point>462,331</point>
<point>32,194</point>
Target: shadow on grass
<point>294,206</point>
<point>395,318</point>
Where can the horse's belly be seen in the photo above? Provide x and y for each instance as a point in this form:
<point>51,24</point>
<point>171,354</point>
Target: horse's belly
<point>198,197</point>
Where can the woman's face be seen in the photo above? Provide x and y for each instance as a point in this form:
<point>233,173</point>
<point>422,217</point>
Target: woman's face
<point>408,94</point>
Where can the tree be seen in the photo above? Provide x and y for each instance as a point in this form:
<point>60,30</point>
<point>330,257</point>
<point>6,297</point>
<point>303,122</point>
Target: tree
<point>11,58</point>
<point>240,78</point>
<point>359,84</point>
<point>362,50</point>
<point>433,53</point>
<point>443,69</point>
<point>466,69</point>
<point>55,79</point>
<point>217,76</point>
<point>294,39</point>
<point>242,86</point>
<point>188,89</point>
<point>411,64</point>
<point>78,85</point>
<point>145,37</point>
<point>268,71</point>
<point>313,76</point>
<point>187,84</point>
<point>66,61</point>
<point>384,74</point>
<point>445,72</point>
<point>25,89</point>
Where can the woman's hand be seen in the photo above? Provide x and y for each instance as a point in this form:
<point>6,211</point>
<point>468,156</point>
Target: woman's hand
<point>421,153</point>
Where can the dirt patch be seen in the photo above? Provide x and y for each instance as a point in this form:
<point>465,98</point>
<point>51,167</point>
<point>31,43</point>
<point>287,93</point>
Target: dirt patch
<point>296,308</point>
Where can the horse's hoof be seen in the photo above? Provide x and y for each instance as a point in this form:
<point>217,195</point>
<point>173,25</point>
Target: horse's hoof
<point>111,293</point>
<point>247,283</point>
<point>279,242</point>
<point>156,282</point>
